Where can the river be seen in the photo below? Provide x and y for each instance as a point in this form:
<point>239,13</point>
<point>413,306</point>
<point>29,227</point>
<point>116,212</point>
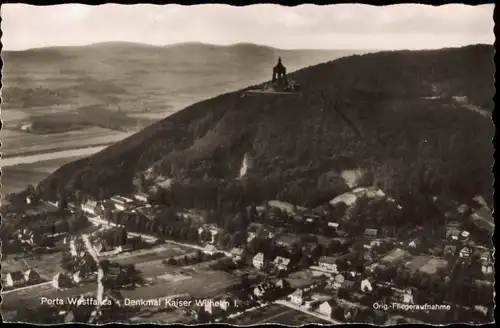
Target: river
<point>87,151</point>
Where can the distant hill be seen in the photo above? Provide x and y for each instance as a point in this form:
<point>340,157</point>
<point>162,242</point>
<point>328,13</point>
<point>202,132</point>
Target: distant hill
<point>139,78</point>
<point>392,114</point>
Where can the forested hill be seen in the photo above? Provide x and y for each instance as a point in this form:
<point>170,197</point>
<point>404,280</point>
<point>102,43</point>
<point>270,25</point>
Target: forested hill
<point>415,120</point>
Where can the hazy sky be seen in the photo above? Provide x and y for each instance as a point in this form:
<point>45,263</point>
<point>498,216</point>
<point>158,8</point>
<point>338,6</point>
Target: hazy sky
<point>346,26</point>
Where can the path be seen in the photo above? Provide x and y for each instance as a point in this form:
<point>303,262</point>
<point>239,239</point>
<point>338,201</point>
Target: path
<point>26,287</point>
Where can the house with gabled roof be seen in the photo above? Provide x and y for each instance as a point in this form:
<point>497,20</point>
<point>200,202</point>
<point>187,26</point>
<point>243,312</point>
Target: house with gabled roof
<point>450,249</point>
<point>465,252</point>
<point>366,285</point>
<point>79,276</point>
<point>60,281</point>
<point>236,253</point>
<point>210,249</point>
<point>281,262</point>
<point>31,276</point>
<point>15,279</point>
<point>371,233</point>
<point>327,263</point>
<point>326,308</point>
<point>297,297</point>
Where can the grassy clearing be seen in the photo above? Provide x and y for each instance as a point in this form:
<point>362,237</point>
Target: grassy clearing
<point>433,265</point>
<point>417,262</point>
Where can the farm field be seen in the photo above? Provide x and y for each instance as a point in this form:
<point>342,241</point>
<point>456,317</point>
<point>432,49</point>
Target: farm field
<point>300,279</point>
<point>16,143</point>
<point>433,265</point>
<point>394,255</point>
<point>159,253</point>
<point>276,314</point>
<point>208,284</point>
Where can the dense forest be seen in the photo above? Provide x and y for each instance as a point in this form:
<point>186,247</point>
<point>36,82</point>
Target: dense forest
<point>390,113</point>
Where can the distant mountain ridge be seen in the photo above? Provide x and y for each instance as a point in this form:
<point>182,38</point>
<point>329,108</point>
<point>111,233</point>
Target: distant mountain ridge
<point>390,113</point>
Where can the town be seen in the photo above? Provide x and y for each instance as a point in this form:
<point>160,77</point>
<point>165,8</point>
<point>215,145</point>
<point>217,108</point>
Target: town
<point>345,261</point>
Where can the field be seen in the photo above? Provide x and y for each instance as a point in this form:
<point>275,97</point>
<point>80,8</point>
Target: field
<point>276,314</point>
<point>433,264</point>
<point>207,284</point>
<point>300,279</point>
<point>162,252</point>
<point>417,262</point>
<point>394,255</point>
<point>17,143</point>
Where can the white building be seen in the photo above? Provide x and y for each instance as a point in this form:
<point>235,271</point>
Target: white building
<point>326,308</point>
<point>366,285</point>
<point>141,197</point>
<point>210,250</point>
<point>281,262</point>
<point>297,297</point>
<point>408,296</point>
<point>15,279</point>
<point>31,276</point>
<point>258,261</point>
<point>327,263</point>
<point>465,252</point>
<point>89,207</point>
<point>236,253</point>
<point>79,276</point>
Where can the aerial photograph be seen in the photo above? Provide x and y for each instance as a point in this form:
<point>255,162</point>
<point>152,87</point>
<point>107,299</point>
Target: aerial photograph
<point>261,164</point>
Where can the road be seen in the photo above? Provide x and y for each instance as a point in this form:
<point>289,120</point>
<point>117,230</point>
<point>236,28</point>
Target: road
<point>301,309</point>
<point>26,287</point>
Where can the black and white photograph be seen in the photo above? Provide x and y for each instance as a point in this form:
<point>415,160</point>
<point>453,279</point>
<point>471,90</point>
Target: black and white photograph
<point>247,165</point>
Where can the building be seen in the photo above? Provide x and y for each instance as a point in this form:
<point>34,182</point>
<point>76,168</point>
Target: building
<point>281,262</point>
<point>88,263</point>
<point>453,233</point>
<point>371,233</point>
<point>486,258</point>
<point>326,308</point>
<point>101,246</point>
<point>297,297</point>
<point>89,207</point>
<point>210,250</point>
<point>258,261</point>
<point>281,284</point>
<point>465,252</point>
<point>338,281</point>
<point>79,276</point>
<point>327,263</point>
<point>251,236</point>
<point>407,296</point>
<point>237,253</point>
<point>141,197</point>
<point>31,276</point>
<point>15,279</point>
<point>414,243</point>
<point>366,285</point>
<point>450,249</point>
<point>60,281</point>
<point>121,203</point>
<point>333,225</point>
<point>464,235</point>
